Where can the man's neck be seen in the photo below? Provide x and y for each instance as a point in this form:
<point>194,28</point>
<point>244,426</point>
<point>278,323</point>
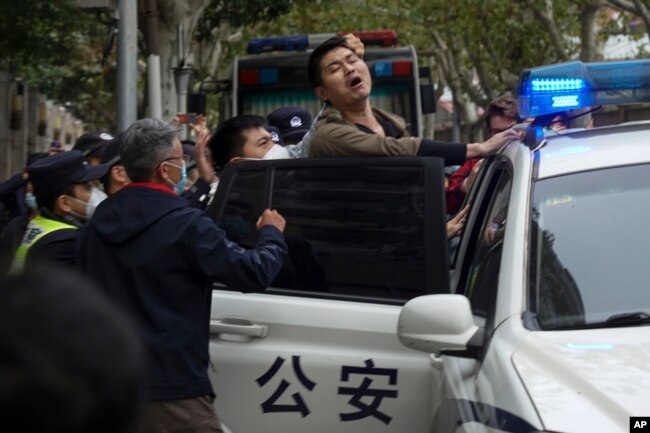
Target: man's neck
<point>154,183</point>
<point>363,115</point>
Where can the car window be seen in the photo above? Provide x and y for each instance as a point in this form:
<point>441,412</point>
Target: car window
<point>469,198</point>
<point>357,232</point>
<point>487,240</point>
<point>589,246</point>
<point>243,206</point>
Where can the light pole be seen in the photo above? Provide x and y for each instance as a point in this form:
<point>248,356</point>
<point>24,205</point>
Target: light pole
<point>127,71</point>
<point>182,78</point>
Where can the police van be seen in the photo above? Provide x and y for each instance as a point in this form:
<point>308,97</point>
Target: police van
<point>274,75</point>
<point>535,322</point>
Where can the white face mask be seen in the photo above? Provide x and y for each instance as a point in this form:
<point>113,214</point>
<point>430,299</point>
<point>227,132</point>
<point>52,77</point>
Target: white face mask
<point>96,197</point>
<point>277,152</point>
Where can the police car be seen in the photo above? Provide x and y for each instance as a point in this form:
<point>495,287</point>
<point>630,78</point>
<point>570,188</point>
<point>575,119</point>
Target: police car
<point>533,322</point>
<point>548,329</point>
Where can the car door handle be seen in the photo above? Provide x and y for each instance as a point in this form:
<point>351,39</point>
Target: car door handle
<point>238,326</point>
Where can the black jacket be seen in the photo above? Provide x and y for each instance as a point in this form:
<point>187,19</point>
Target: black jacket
<point>158,257</point>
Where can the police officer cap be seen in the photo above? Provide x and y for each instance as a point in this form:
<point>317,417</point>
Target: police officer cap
<point>92,143</point>
<point>291,121</point>
<point>54,173</point>
<point>111,152</point>
<point>275,134</point>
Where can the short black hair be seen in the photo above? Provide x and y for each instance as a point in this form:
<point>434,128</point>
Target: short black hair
<point>47,200</point>
<point>227,141</point>
<point>313,66</point>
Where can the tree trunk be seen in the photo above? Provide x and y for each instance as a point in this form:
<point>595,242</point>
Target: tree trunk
<point>589,28</point>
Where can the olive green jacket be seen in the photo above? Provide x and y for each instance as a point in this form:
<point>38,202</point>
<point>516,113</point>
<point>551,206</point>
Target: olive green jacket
<point>335,136</point>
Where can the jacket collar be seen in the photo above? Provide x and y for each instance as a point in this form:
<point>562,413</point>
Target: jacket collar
<point>151,185</point>
<point>331,114</point>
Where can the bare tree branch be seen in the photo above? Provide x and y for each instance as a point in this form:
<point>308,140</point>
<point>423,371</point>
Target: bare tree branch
<point>546,18</point>
<point>447,62</point>
<point>636,7</point>
<point>482,94</point>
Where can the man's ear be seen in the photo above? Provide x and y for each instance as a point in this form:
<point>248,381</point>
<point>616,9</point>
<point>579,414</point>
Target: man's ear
<point>62,204</point>
<point>163,171</point>
<point>321,93</point>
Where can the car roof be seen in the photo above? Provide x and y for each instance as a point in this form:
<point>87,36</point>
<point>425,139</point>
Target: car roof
<point>578,150</point>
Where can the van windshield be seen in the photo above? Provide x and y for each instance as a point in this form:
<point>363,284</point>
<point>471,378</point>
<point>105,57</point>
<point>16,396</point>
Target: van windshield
<point>589,248</point>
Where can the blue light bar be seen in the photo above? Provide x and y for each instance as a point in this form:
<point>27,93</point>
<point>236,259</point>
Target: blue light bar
<point>278,43</point>
<point>557,84</point>
<point>572,85</point>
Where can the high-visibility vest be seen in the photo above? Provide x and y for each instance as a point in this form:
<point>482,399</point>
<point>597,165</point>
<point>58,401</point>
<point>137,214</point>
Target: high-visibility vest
<point>36,229</point>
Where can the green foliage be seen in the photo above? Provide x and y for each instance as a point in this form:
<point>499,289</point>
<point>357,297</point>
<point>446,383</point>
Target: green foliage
<point>33,30</point>
<point>478,47</point>
<point>238,13</point>
<point>57,47</point>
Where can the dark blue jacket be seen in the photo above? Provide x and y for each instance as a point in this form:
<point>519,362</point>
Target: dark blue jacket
<point>12,194</point>
<point>158,257</point>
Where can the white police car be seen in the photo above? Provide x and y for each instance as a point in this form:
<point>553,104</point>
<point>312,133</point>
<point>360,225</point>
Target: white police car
<point>548,329</point>
<point>534,323</point>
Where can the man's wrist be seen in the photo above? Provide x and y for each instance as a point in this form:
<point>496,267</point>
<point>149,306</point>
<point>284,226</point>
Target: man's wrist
<point>474,150</point>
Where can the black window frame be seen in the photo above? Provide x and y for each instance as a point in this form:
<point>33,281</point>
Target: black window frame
<point>435,242</point>
<point>482,200</point>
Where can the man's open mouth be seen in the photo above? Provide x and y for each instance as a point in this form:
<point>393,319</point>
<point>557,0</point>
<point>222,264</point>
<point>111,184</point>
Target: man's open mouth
<point>355,82</point>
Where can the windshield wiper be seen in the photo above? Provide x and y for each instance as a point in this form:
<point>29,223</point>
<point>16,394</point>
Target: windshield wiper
<point>627,319</point>
<point>616,321</point>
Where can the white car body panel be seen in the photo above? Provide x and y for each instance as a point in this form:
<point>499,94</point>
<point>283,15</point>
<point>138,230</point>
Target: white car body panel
<point>590,149</point>
<point>513,274</point>
<point>494,397</point>
<point>587,381</point>
<point>326,335</point>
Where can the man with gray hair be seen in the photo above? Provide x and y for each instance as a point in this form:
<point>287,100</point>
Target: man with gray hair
<point>158,257</point>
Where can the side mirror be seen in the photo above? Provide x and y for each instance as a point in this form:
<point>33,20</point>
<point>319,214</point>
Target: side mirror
<point>440,324</point>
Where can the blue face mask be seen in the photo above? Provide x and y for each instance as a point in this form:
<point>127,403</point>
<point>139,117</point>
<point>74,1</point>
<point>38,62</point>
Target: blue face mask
<point>179,187</point>
<point>30,201</point>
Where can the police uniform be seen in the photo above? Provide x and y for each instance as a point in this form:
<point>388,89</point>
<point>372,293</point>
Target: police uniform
<point>51,237</point>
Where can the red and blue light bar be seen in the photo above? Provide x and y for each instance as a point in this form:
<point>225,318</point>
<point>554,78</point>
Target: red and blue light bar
<point>270,76</point>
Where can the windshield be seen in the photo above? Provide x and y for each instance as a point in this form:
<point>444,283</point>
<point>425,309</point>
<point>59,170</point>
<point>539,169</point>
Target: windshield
<point>590,245</point>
